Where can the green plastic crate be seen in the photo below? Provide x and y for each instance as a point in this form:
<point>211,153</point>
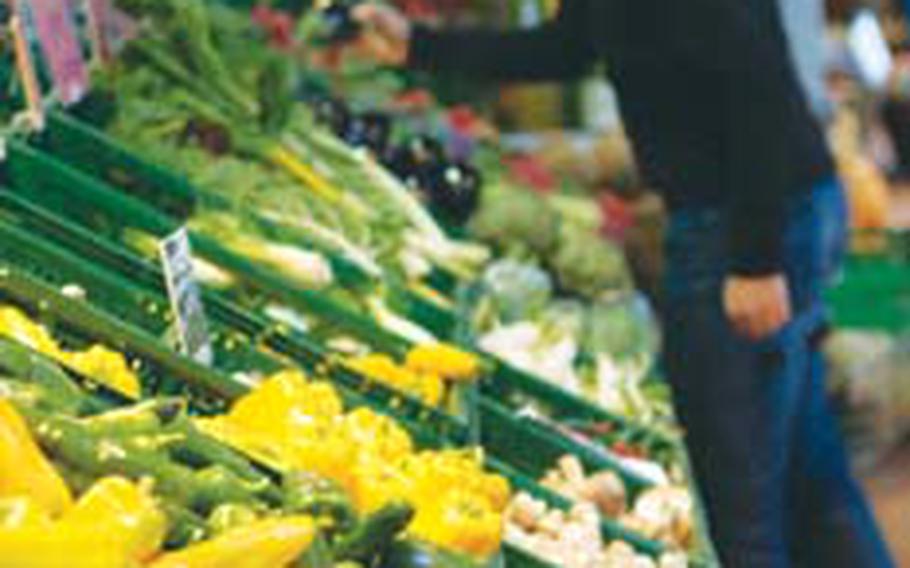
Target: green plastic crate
<point>81,318</point>
<point>874,292</point>
<point>96,205</point>
<point>91,151</point>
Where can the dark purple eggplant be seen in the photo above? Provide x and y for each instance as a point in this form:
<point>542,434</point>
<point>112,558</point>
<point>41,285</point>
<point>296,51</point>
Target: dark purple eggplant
<point>339,23</point>
<point>416,157</point>
<point>370,130</point>
<point>453,191</point>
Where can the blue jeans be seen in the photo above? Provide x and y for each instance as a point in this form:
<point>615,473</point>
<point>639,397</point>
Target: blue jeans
<point>764,446</point>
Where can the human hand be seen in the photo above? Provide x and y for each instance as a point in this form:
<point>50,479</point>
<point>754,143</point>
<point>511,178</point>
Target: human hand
<point>386,34</point>
<point>759,306</point>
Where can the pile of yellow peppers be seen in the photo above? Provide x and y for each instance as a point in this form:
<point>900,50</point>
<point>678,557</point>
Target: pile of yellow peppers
<point>289,422</point>
<point>425,373</point>
<point>297,424</point>
<point>116,523</point>
<point>102,364</point>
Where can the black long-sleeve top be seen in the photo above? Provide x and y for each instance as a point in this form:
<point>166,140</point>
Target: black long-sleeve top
<point>707,91</point>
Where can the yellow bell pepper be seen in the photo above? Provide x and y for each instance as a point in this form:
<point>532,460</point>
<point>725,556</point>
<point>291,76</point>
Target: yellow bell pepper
<point>458,505</point>
<point>98,362</point>
<point>443,360</point>
<point>383,369</point>
<point>378,433</point>
<point>127,510</point>
<point>459,520</point>
<point>279,400</point>
<point>107,367</point>
<point>116,524</point>
<point>19,327</point>
<point>24,471</point>
<point>269,543</point>
<point>16,512</point>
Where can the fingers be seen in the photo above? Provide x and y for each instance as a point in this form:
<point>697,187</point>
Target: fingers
<point>757,307</point>
<point>365,12</point>
<point>386,33</point>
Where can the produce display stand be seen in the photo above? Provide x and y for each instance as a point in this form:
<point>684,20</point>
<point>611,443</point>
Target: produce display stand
<point>71,319</point>
<point>84,148</point>
<point>85,200</point>
<point>88,151</point>
<point>75,204</point>
<point>520,452</point>
<point>211,389</point>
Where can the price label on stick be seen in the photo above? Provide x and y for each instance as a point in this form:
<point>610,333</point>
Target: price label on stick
<point>186,300</point>
<point>25,67</point>
<point>100,23</point>
<point>56,29</point>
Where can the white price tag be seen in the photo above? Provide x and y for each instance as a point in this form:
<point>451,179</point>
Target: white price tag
<point>186,300</point>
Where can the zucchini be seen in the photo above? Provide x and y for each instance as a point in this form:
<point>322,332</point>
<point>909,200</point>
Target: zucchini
<point>184,527</point>
<point>61,393</point>
<point>318,555</point>
<point>216,485</point>
<point>370,539</point>
<point>230,515</point>
<point>196,449</point>
<point>144,418</point>
<point>319,497</point>
<point>74,444</point>
<point>413,554</point>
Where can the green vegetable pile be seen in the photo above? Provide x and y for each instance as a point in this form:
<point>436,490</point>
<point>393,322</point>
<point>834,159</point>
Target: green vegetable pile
<point>255,152</point>
<point>524,225</point>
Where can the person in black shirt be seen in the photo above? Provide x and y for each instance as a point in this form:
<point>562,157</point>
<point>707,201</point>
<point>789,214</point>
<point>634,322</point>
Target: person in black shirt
<point>720,126</point>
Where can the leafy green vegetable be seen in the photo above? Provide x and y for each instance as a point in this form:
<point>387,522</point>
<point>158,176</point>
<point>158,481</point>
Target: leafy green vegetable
<point>517,222</point>
<point>590,265</point>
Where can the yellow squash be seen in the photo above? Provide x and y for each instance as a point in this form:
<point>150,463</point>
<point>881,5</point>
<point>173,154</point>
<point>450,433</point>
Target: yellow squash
<point>127,511</point>
<point>107,367</point>
<point>24,471</point>
<point>270,543</point>
<point>58,546</point>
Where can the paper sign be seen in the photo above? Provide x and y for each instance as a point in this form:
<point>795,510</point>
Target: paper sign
<point>56,29</point>
<point>186,300</point>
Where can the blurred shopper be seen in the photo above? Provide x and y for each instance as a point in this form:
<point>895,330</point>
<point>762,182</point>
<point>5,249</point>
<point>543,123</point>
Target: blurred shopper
<point>719,123</point>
